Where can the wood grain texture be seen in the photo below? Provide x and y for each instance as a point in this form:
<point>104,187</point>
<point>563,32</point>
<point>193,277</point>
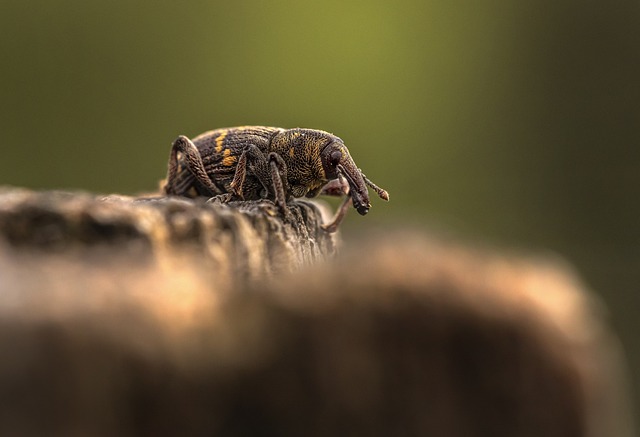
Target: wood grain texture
<point>236,243</point>
<point>121,316</point>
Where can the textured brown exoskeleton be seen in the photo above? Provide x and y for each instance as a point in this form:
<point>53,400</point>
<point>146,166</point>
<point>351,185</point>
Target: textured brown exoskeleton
<point>256,162</point>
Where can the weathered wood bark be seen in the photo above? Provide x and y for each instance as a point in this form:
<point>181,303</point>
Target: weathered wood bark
<point>171,317</point>
<point>236,243</point>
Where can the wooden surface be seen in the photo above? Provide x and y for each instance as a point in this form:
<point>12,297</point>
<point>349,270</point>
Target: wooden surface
<point>122,316</point>
<point>235,243</point>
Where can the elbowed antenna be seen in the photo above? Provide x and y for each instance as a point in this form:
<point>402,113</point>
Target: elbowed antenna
<point>384,195</point>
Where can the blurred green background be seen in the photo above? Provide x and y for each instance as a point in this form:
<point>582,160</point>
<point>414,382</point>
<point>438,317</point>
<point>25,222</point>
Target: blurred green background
<point>516,123</point>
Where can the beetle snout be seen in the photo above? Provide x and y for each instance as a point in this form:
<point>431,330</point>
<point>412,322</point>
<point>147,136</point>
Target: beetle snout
<point>360,200</point>
<point>362,210</point>
<point>357,187</point>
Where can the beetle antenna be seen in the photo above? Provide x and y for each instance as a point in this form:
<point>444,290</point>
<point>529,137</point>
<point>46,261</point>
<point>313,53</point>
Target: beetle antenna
<point>382,193</point>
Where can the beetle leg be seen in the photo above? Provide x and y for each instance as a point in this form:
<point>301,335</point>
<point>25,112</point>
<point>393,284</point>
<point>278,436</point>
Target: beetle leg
<point>336,187</point>
<point>193,162</point>
<point>172,182</point>
<point>253,160</point>
<point>278,170</point>
<point>332,226</point>
<point>221,198</point>
<point>239,176</point>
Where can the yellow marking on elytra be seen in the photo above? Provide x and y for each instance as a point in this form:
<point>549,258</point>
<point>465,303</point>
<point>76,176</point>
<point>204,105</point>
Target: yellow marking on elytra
<point>219,139</point>
<point>227,159</point>
<point>292,152</point>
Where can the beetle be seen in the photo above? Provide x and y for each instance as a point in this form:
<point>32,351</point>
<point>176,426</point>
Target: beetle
<point>258,162</point>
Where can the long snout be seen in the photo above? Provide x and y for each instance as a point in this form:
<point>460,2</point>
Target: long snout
<point>357,187</point>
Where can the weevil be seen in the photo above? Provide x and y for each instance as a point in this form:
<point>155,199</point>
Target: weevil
<point>257,162</point>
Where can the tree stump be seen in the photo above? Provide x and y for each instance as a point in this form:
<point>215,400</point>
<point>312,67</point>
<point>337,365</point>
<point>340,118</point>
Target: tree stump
<point>162,316</point>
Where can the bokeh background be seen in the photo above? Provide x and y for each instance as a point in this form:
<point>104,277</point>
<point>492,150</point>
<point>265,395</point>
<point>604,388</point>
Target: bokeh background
<point>514,123</point>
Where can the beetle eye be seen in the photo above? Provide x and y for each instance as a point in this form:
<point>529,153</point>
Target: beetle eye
<point>335,157</point>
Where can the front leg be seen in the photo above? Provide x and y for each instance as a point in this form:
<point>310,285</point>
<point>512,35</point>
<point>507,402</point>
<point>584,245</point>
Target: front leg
<point>337,187</point>
<point>332,226</point>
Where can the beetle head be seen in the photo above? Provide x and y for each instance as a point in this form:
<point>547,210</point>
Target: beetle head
<point>338,163</point>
